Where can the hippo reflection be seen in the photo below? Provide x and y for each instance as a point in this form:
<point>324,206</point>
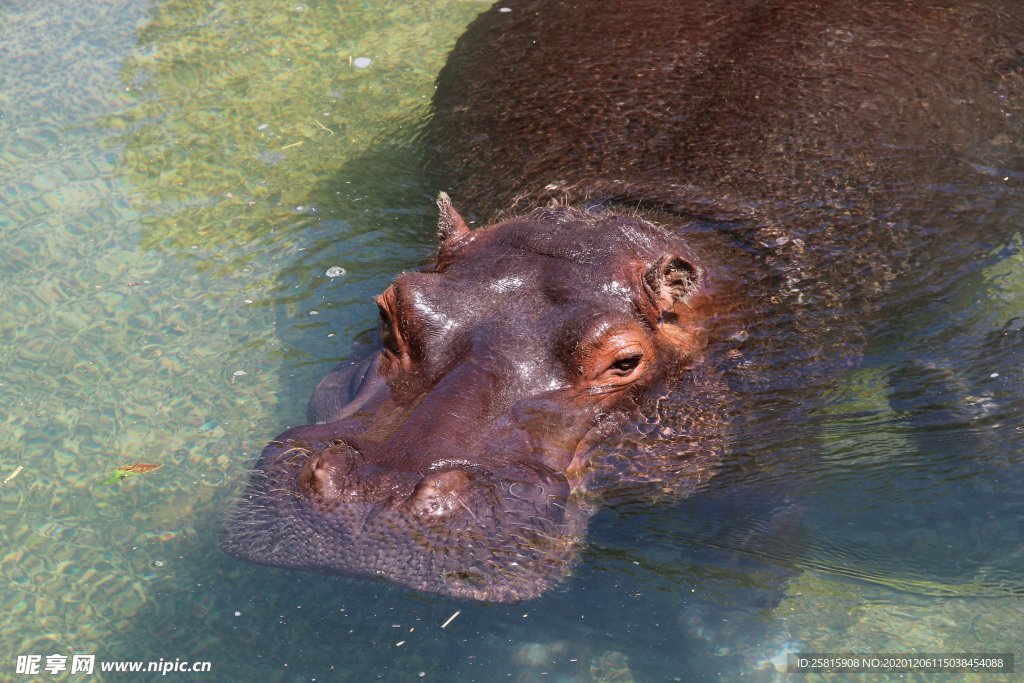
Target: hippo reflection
<point>697,210</point>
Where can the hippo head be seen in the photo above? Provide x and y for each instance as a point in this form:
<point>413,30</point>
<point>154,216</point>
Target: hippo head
<point>453,460</point>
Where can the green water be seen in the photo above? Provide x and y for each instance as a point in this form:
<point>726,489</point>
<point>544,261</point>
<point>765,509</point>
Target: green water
<point>176,179</point>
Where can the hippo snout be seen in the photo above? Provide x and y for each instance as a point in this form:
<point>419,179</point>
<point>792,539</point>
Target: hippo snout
<point>335,477</point>
<point>504,532</point>
<point>339,474</point>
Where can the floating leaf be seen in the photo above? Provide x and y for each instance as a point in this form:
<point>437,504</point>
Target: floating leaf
<point>138,468</point>
<point>125,470</point>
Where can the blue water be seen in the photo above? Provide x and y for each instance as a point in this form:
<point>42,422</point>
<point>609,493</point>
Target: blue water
<point>176,180</point>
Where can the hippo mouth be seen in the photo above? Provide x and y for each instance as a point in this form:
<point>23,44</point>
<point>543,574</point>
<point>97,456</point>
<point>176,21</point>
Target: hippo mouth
<point>500,535</point>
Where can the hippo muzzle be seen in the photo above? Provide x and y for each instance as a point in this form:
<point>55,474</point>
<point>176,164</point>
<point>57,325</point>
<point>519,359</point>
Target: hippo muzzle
<point>459,529</point>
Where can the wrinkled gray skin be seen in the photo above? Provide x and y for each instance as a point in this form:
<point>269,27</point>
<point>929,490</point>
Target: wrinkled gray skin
<point>737,187</point>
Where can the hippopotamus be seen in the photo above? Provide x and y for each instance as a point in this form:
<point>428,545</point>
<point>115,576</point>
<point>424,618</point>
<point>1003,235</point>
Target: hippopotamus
<point>688,212</point>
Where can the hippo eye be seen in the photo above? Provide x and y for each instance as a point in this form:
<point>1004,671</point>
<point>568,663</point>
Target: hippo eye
<point>624,367</point>
<point>626,364</point>
<point>388,337</point>
<point>613,354</point>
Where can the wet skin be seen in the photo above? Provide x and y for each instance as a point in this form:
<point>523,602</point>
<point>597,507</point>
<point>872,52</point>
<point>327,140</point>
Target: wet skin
<point>690,209</point>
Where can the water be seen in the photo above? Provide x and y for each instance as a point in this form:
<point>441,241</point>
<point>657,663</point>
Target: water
<point>176,180</point>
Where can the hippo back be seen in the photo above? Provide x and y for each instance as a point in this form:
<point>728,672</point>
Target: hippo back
<point>879,131</point>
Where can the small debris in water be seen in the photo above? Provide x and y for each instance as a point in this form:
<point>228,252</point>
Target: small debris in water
<point>361,62</point>
<point>451,618</point>
<point>400,643</point>
<point>126,470</point>
<point>16,472</point>
<point>335,271</point>
<point>994,375</point>
<point>158,563</point>
<point>238,614</point>
<point>239,373</point>
<point>263,126</point>
<point>505,9</point>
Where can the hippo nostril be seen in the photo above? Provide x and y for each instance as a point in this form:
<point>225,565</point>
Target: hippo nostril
<point>438,493</point>
<point>321,477</point>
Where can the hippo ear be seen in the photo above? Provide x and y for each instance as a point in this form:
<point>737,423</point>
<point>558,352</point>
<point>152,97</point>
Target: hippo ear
<point>670,280</point>
<point>450,225</point>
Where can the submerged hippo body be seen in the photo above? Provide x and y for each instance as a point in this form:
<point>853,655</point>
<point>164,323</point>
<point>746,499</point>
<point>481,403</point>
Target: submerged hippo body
<point>694,210</point>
